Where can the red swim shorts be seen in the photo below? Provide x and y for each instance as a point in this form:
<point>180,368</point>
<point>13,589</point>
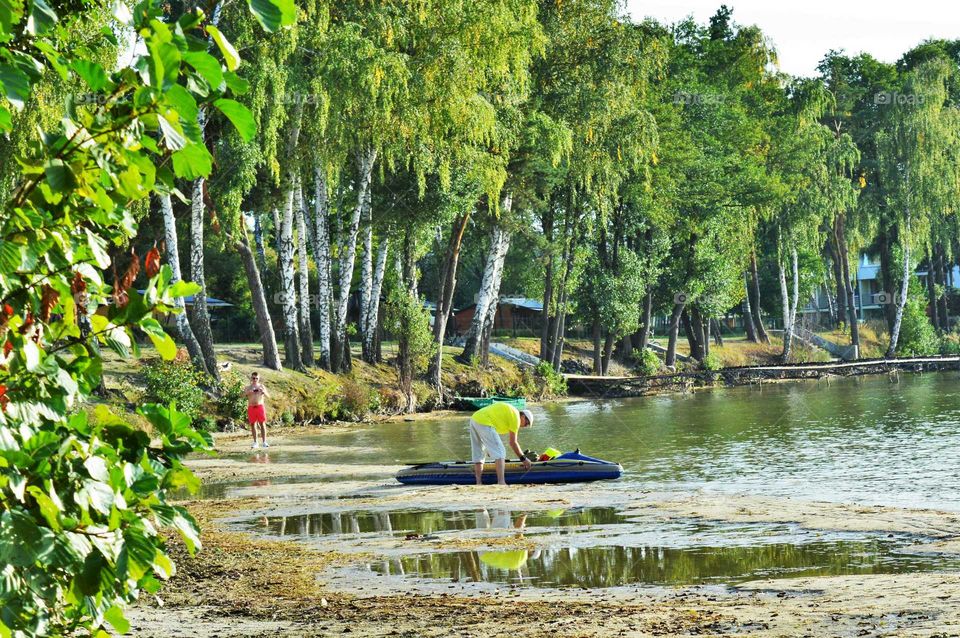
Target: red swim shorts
<point>257,413</point>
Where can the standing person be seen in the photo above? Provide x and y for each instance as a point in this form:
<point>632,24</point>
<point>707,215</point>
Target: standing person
<point>256,394</point>
<point>486,426</point>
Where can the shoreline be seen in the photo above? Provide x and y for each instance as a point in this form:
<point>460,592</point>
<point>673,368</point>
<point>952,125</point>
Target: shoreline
<point>245,583</point>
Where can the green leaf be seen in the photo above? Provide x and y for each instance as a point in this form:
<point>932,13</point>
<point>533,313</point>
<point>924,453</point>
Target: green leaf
<point>273,14</point>
<point>172,138</point>
<point>181,100</point>
<point>115,617</point>
<point>98,249</point>
<point>16,85</point>
<point>59,176</point>
<point>92,73</point>
<point>10,13</point>
<point>230,55</point>
<point>183,289</point>
<point>42,18</point>
<point>192,161</point>
<point>236,83</point>
<point>6,122</point>
<point>161,340</point>
<point>240,116</point>
<point>207,66</point>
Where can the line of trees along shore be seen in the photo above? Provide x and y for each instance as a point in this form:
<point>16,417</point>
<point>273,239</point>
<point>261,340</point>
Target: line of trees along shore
<point>617,170</point>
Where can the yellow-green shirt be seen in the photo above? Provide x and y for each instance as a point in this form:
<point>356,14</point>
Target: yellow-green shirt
<point>502,417</point>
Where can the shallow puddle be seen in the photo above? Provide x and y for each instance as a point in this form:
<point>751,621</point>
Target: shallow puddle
<point>429,522</point>
<point>597,567</point>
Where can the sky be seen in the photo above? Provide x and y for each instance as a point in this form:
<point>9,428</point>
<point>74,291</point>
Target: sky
<point>802,32</point>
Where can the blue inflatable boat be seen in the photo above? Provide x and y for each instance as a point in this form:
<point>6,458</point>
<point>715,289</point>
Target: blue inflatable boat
<point>571,467</point>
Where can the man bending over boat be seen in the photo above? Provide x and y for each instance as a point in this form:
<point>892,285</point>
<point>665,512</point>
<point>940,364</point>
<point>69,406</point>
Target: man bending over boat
<point>486,426</point>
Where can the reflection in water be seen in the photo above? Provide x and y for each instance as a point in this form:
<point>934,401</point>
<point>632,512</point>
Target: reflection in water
<point>428,522</point>
<point>614,566</point>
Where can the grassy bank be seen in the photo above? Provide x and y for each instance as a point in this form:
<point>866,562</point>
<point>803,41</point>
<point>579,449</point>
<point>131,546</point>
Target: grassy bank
<point>313,396</point>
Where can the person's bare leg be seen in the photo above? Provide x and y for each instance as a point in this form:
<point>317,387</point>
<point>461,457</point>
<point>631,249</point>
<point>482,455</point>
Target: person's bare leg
<point>263,433</point>
<point>501,471</point>
<point>253,431</point>
<point>478,472</point>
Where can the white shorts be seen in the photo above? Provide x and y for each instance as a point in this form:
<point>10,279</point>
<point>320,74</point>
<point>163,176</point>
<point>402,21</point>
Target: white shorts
<point>484,442</point>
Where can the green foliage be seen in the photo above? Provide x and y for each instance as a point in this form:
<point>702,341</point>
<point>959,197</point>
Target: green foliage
<point>549,383</point>
<point>711,362</point>
<point>178,382</point>
<point>406,318</point>
<point>231,401</point>
<point>82,503</point>
<point>917,335</point>
<point>357,399</point>
<point>648,363</point>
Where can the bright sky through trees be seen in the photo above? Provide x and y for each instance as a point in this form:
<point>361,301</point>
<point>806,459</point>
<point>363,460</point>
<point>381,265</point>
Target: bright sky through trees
<point>803,32</point>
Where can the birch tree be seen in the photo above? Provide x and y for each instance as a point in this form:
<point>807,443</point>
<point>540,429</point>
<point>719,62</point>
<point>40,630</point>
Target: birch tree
<point>185,332</point>
<point>303,279</point>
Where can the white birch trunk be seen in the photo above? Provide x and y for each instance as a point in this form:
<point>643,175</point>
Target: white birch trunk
<point>201,313</point>
<point>288,293</point>
<point>306,330</point>
<point>488,298</point>
<point>904,290</point>
<point>173,258</point>
<point>785,299</point>
<point>366,276</point>
<point>321,255</point>
<point>796,291</point>
<point>365,161</point>
<point>373,310</point>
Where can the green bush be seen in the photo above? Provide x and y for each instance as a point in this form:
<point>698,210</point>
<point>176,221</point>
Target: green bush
<point>917,335</point>
<point>357,399</point>
<point>177,382</point>
<point>552,382</point>
<point>232,402</point>
<point>648,363</point>
<point>711,362</point>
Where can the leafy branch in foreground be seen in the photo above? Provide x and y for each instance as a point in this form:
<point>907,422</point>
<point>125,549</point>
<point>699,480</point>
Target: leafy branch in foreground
<point>82,501</point>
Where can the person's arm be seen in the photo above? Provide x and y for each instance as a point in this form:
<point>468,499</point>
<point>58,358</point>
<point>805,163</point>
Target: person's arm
<point>515,444</point>
<point>263,389</point>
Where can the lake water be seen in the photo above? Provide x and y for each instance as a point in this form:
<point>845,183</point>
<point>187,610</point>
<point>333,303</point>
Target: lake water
<point>879,440</point>
<point>871,440</point>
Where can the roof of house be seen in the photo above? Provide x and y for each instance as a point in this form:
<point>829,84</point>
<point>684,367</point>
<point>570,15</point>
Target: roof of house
<point>522,302</point>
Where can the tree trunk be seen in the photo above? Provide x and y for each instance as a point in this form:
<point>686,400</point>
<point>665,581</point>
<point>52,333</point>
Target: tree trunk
<point>748,320</point>
<point>785,301</point>
<point>271,355</point>
<point>321,255</point>
<point>886,276</point>
<point>366,285</point>
<point>647,326</point>
<point>838,274</point>
<point>489,289</point>
<point>932,300</point>
<point>448,282</point>
<point>258,239</point>
<point>757,312</point>
<point>670,359</point>
<point>372,328</point>
<point>407,276</point>
<point>546,327</point>
<point>850,301</point>
<point>904,289</point>
<point>696,347</point>
<point>597,361</point>
<point>201,313</point>
<point>608,342</point>
<point>184,331</point>
<point>717,334</point>
<point>304,327</point>
<point>348,254</point>
<point>288,292</point>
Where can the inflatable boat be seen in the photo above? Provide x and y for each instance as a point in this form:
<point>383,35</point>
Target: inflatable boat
<point>572,467</point>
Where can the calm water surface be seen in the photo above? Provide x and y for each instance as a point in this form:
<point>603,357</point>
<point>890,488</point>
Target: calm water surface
<point>867,440</point>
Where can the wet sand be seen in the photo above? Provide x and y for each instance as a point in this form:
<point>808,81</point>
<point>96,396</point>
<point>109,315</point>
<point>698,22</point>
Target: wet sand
<point>246,585</point>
